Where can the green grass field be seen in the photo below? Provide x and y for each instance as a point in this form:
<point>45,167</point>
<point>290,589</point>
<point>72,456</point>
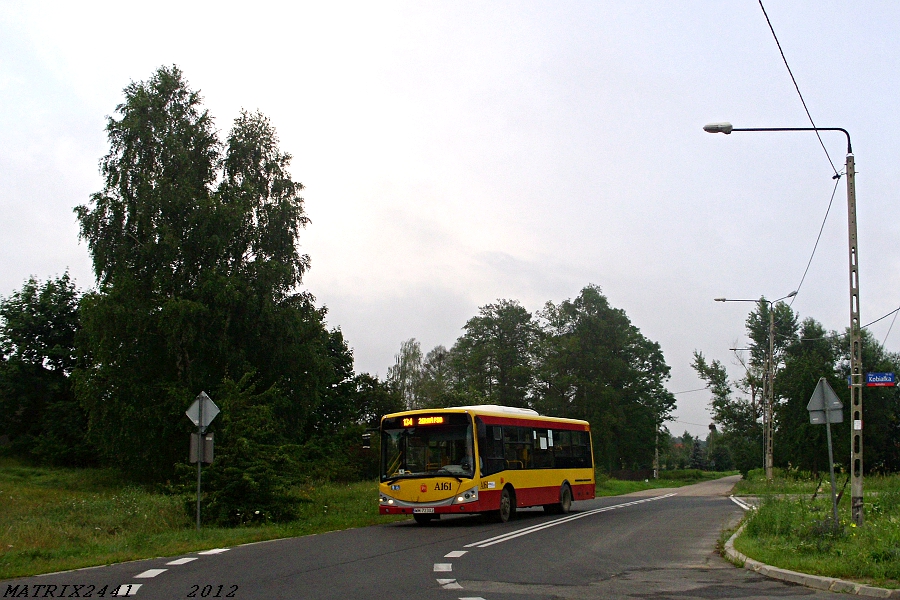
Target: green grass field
<point>59,519</point>
<point>795,531</point>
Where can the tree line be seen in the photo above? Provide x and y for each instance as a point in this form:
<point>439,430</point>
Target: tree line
<point>581,358</point>
<point>803,352</point>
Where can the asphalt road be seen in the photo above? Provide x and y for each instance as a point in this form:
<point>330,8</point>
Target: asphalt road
<point>653,545</point>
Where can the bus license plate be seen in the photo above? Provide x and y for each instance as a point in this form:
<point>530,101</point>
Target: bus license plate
<point>420,511</point>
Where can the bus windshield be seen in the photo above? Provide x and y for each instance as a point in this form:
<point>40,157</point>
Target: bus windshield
<point>423,446</point>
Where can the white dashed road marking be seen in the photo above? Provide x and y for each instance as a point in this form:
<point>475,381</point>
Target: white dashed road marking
<point>455,554</point>
<point>150,573</point>
<point>449,584</point>
<point>443,567</point>
<point>128,589</point>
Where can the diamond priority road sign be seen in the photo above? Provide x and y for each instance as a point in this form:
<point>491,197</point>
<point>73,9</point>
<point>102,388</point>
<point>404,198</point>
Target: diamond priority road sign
<point>205,406</point>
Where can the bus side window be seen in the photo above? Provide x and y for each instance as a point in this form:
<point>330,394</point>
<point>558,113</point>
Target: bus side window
<point>490,447</point>
<point>581,450</point>
<point>562,450</point>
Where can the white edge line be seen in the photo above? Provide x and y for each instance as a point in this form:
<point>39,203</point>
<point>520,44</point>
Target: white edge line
<point>740,503</point>
<point>534,528</point>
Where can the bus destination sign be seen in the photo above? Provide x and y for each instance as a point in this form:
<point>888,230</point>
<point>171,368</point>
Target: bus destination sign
<point>423,420</point>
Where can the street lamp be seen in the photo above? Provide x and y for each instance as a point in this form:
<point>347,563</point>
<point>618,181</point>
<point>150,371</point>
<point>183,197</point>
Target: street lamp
<point>856,406</point>
<point>769,392</point>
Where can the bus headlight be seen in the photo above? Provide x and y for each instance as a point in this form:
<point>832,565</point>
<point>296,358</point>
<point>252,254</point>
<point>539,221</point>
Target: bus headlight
<point>382,499</point>
<point>467,496</point>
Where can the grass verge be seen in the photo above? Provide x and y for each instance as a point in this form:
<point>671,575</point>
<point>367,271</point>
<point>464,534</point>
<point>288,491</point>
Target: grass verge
<point>60,519</point>
<point>793,530</point>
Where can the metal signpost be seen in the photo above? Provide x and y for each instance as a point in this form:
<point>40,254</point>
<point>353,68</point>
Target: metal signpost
<point>201,413</point>
<point>826,408</point>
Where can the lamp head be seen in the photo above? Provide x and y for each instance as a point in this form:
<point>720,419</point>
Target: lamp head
<point>718,128</point>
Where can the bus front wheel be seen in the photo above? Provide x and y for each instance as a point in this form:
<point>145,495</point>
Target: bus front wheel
<point>507,505</point>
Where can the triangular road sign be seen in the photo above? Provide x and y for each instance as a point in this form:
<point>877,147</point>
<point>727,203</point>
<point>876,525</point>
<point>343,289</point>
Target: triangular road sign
<point>824,398</point>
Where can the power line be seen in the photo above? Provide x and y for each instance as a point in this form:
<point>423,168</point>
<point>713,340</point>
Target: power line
<point>837,335</point>
<point>685,423</point>
<point>819,237</point>
<point>889,328</point>
<point>688,391</point>
<point>893,312</point>
<point>837,176</point>
<point>797,87</point>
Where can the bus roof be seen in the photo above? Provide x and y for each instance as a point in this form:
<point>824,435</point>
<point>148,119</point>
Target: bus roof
<point>494,410</point>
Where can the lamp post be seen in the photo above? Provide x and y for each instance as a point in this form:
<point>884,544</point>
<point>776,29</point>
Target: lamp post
<point>856,405</point>
<point>769,387</point>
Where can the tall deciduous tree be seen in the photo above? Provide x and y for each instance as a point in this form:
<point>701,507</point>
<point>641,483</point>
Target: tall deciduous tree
<point>405,377</point>
<point>437,383</point>
<point>493,356</point>
<point>798,443</point>
<point>41,416</point>
<point>596,365</point>
<point>881,405</point>
<point>738,417</point>
<point>785,333</point>
<point>194,245</point>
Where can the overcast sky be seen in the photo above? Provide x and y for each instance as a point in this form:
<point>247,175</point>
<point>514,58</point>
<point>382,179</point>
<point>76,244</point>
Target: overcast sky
<point>457,153</point>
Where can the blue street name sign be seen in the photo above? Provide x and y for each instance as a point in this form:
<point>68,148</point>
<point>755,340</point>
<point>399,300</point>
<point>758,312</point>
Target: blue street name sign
<point>878,380</point>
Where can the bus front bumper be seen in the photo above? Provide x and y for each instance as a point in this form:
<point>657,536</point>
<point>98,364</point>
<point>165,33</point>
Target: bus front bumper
<point>469,501</point>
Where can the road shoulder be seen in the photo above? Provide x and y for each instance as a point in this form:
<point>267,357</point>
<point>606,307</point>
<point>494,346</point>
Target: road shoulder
<point>817,582</point>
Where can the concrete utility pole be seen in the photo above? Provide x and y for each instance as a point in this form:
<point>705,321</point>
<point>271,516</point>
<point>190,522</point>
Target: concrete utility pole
<point>770,399</point>
<point>856,375</point>
<point>768,386</point>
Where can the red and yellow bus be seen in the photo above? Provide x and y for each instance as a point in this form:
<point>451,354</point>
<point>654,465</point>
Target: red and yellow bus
<point>482,459</point>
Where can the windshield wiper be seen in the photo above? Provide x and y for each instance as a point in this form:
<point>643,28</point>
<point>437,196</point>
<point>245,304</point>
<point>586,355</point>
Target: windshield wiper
<point>453,475</point>
<point>391,480</point>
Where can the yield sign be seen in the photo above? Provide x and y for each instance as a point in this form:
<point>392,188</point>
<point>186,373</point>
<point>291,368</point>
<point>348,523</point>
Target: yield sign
<point>203,405</point>
<point>824,399</point>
